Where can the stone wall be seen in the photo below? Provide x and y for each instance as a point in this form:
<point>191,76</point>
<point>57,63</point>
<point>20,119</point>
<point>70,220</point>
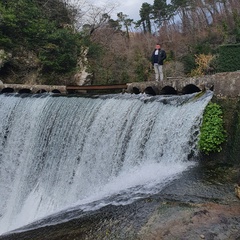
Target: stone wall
<point>17,88</point>
<point>225,84</point>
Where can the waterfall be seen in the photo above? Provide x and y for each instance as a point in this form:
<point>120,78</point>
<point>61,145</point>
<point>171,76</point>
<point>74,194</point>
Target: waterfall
<point>57,152</point>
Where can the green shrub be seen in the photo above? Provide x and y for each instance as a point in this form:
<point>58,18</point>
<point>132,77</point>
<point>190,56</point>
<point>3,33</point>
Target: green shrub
<point>60,54</point>
<point>188,62</point>
<point>35,26</point>
<point>141,69</point>
<point>212,133</point>
<point>228,58</point>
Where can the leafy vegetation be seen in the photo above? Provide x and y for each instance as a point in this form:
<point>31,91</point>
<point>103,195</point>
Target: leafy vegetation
<point>25,24</point>
<point>228,58</point>
<point>212,133</point>
<point>60,52</point>
<point>55,32</point>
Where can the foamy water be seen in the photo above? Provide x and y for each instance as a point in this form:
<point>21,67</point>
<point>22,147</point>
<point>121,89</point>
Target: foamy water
<point>59,152</point>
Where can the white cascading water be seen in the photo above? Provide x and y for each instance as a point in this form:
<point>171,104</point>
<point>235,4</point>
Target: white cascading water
<point>60,152</point>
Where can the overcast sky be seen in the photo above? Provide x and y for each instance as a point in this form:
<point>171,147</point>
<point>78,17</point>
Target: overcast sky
<point>129,7</point>
<point>132,7</point>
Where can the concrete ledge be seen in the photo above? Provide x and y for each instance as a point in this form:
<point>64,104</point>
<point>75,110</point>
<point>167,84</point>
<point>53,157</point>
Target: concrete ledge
<point>225,84</point>
<point>19,88</point>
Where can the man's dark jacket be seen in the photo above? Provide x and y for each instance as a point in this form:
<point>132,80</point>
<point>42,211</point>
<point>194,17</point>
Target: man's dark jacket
<point>161,56</point>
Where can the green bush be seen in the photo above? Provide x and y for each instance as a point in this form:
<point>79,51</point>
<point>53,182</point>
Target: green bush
<point>32,25</point>
<point>212,133</point>
<point>228,58</point>
<point>19,21</point>
<point>60,53</point>
<point>188,63</point>
<point>141,69</point>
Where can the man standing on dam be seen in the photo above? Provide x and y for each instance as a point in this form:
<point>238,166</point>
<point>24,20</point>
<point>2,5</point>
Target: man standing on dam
<point>158,56</point>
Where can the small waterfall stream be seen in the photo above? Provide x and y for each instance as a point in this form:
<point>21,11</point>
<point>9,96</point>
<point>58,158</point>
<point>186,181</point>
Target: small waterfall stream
<point>60,152</point>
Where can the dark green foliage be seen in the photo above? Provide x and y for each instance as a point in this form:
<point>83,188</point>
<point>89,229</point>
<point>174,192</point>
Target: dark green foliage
<point>228,59</point>
<point>95,54</point>
<point>106,68</point>
<point>212,133</point>
<point>162,11</point>
<point>231,114</point>
<point>21,22</point>
<point>170,55</point>
<point>38,26</point>
<point>234,138</point>
<point>141,72</point>
<point>188,62</point>
<point>203,48</point>
<point>59,54</point>
<point>236,142</point>
<point>145,14</point>
<point>95,50</point>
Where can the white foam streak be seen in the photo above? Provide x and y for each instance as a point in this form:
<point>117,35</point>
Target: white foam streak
<point>143,178</point>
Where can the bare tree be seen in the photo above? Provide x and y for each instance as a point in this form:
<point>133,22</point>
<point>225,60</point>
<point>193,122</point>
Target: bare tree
<point>88,14</point>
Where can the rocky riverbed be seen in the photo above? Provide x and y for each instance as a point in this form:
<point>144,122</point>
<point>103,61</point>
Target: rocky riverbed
<point>201,204</point>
